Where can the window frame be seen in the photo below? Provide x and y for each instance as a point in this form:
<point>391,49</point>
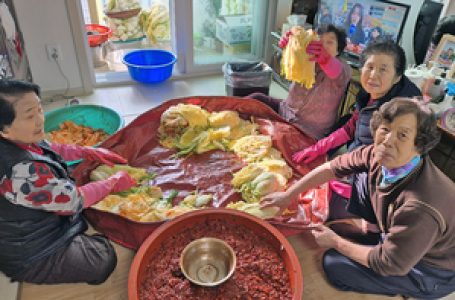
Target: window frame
<point>181,14</point>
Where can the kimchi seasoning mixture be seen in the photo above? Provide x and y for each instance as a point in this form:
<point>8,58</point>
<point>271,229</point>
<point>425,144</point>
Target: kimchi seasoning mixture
<point>72,133</point>
<point>260,272</point>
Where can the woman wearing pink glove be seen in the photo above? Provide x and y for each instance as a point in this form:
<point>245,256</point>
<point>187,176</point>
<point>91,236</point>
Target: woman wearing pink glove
<point>315,110</point>
<point>382,79</point>
<point>41,227</point>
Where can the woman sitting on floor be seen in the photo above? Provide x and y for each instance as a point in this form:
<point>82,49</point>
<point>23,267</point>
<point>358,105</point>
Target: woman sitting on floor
<point>315,110</point>
<point>42,236</point>
<point>411,200</point>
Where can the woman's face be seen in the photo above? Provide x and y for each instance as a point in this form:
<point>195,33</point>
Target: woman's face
<point>28,126</point>
<point>330,43</point>
<point>395,142</point>
<point>355,16</point>
<point>378,75</point>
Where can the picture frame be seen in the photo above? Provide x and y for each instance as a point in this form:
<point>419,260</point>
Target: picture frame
<point>448,120</point>
<point>451,73</point>
<point>444,55</point>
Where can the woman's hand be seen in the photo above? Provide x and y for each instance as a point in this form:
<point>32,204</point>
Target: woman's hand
<point>306,155</point>
<point>278,199</point>
<point>122,181</point>
<point>318,52</point>
<point>73,152</point>
<point>284,40</point>
<point>325,237</point>
<point>98,190</point>
<point>102,155</point>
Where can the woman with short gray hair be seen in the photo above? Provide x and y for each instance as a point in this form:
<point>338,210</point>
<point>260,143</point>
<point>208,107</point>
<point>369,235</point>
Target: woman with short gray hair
<point>411,199</point>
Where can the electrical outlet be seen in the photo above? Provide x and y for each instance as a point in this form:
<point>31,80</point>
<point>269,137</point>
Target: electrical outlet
<point>54,52</point>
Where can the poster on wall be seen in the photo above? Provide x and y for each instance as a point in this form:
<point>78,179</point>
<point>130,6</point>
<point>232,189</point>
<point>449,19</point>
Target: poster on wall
<point>13,60</point>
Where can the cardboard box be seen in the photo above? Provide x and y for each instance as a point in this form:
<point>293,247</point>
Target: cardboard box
<point>234,29</point>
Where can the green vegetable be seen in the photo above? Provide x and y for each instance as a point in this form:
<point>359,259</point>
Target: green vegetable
<point>172,194</point>
<point>166,202</point>
<point>202,200</point>
<point>111,5</point>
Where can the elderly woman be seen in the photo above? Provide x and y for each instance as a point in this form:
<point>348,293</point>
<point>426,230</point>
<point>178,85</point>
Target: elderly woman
<point>382,79</point>
<point>42,236</point>
<point>314,110</point>
<point>411,199</point>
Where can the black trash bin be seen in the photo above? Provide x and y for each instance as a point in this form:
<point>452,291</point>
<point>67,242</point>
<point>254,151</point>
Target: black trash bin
<point>244,78</point>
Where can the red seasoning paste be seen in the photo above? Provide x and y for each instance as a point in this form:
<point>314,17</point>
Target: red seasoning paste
<point>260,272</point>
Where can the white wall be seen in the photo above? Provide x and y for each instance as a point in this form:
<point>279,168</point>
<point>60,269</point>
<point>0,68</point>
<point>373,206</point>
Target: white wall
<point>449,8</point>
<point>47,22</point>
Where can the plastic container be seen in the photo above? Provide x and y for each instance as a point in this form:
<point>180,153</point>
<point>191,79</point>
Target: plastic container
<point>97,34</point>
<point>244,78</point>
<point>150,65</point>
<point>94,116</point>
<point>123,14</point>
<point>257,227</point>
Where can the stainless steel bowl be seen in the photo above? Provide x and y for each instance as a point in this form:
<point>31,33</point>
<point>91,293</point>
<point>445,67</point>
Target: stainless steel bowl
<point>207,261</point>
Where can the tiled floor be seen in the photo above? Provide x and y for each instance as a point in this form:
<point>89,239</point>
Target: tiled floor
<point>130,101</point>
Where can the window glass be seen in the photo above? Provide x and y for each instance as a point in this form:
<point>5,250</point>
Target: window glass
<point>135,24</point>
<point>224,30</point>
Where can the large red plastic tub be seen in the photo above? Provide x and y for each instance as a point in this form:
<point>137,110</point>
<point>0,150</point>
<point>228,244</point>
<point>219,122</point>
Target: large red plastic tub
<point>257,227</point>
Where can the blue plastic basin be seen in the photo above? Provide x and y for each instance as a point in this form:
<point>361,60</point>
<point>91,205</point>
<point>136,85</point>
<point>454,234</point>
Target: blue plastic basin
<point>150,65</point>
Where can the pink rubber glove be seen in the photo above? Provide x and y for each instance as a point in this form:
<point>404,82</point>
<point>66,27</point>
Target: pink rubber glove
<point>284,40</point>
<point>307,155</point>
<point>329,64</point>
<point>341,188</point>
<point>98,190</point>
<point>73,152</point>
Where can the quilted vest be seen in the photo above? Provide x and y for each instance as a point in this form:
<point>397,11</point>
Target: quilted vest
<point>28,235</point>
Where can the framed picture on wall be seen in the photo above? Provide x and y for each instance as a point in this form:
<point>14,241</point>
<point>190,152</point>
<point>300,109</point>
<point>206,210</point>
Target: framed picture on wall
<point>451,73</point>
<point>448,120</point>
<point>444,55</point>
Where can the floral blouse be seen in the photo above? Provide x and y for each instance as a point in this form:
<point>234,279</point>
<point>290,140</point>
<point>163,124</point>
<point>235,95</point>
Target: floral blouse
<point>33,184</point>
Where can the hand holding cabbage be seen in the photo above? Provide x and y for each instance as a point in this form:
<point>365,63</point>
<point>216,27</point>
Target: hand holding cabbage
<point>278,199</point>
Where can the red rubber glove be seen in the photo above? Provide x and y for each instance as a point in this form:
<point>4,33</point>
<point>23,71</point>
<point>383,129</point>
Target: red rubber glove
<point>98,190</point>
<point>307,155</point>
<point>284,40</point>
<point>73,152</point>
<point>329,64</point>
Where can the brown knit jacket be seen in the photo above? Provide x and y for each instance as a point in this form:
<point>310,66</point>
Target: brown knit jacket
<point>417,214</point>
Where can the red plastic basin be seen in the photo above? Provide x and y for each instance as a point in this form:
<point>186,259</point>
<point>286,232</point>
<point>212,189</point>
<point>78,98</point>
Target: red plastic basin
<point>97,34</point>
<point>257,227</point>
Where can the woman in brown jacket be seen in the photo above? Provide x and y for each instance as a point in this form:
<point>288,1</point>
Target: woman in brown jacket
<point>411,200</point>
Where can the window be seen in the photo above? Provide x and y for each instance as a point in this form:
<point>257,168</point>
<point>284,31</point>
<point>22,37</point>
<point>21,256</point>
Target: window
<point>222,30</point>
<point>149,27</point>
<point>227,30</point>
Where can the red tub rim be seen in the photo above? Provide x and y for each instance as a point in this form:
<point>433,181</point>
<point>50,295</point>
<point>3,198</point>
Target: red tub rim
<point>294,261</point>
